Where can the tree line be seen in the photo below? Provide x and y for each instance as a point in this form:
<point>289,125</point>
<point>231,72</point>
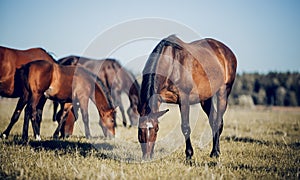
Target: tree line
<point>274,88</point>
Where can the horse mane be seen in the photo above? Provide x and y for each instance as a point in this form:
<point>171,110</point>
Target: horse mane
<point>50,54</point>
<point>149,72</point>
<point>101,85</point>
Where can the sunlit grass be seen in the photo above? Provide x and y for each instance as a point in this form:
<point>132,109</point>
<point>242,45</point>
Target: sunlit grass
<point>256,143</point>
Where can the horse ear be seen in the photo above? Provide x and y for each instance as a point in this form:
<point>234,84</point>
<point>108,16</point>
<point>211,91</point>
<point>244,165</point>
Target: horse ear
<point>156,115</point>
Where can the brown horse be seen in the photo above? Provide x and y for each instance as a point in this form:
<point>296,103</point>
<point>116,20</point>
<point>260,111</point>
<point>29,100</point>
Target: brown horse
<point>76,85</point>
<point>11,61</point>
<point>116,78</point>
<point>185,74</point>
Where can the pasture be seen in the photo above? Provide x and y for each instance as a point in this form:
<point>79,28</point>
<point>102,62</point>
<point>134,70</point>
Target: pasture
<point>263,142</point>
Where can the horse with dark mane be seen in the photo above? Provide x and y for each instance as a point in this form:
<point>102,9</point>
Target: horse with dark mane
<point>185,74</point>
<point>116,78</point>
<point>76,85</point>
<point>11,60</point>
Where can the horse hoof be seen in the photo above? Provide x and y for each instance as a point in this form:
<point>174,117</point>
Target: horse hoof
<point>24,141</point>
<point>188,158</point>
<point>55,137</point>
<point>214,154</point>
<point>4,136</point>
<point>38,138</point>
<point>67,136</point>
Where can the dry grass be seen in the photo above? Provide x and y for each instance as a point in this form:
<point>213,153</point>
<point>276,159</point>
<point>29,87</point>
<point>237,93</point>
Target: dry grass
<point>256,143</point>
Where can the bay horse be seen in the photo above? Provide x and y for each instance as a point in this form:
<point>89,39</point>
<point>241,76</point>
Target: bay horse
<point>185,74</point>
<point>74,85</point>
<point>11,60</point>
<point>116,78</point>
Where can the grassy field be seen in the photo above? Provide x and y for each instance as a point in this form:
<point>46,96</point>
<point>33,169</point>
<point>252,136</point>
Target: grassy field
<point>256,143</point>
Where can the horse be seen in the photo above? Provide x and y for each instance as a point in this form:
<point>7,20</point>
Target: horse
<point>185,74</point>
<point>11,60</point>
<point>116,78</point>
<point>69,84</point>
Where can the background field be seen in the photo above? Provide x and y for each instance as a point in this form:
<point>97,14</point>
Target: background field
<point>260,142</point>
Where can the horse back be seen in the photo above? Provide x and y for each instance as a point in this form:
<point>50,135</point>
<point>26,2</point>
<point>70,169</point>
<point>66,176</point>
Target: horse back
<point>200,67</point>
<point>224,55</point>
<point>17,58</point>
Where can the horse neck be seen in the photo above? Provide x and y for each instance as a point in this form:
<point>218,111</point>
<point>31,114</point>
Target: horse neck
<point>149,86</point>
<point>102,98</point>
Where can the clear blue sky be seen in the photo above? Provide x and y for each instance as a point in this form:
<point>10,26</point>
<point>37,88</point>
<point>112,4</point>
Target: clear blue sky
<point>264,35</point>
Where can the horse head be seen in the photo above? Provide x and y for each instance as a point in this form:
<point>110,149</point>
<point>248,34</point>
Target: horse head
<point>147,133</point>
<point>107,122</point>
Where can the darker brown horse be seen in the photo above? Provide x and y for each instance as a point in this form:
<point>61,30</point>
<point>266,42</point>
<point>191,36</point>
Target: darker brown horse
<point>70,84</point>
<point>185,74</point>
<point>116,78</point>
<point>11,61</point>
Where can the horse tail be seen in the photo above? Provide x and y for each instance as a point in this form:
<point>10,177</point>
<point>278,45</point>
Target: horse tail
<point>24,72</point>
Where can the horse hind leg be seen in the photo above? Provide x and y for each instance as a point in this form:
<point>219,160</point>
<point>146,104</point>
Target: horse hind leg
<point>20,106</point>
<point>217,123</point>
<point>34,115</point>
<point>39,116</point>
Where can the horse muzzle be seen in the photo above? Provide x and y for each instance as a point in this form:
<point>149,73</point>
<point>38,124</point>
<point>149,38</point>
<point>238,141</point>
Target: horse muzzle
<point>147,149</point>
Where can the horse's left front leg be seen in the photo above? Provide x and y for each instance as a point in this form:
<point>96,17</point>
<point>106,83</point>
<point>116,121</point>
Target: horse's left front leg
<point>184,106</point>
<point>85,117</point>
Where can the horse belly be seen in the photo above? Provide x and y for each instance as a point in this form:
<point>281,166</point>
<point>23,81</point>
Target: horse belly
<point>208,78</point>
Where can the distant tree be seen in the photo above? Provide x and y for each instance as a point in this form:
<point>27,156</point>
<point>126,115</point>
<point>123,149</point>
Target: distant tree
<point>291,99</point>
<point>268,89</point>
<point>280,94</point>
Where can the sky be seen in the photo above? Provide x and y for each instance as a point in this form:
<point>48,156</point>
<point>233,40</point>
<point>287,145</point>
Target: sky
<point>264,35</point>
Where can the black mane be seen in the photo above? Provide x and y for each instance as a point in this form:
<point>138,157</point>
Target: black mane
<point>149,72</point>
<point>99,82</point>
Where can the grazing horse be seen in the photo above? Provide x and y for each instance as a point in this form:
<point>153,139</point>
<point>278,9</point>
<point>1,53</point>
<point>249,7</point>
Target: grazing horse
<point>185,74</point>
<point>11,60</point>
<point>75,85</point>
<point>116,78</point>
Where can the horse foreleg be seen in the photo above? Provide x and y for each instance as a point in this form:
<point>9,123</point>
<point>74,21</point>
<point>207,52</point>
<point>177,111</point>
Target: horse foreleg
<point>66,107</point>
<point>184,106</point>
<point>85,117</point>
<point>55,106</point>
<point>20,106</point>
